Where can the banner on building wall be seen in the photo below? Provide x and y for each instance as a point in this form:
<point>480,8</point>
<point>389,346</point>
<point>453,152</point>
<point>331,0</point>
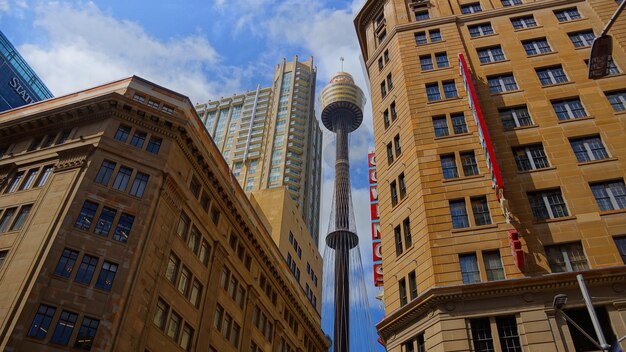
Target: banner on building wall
<point>374,216</point>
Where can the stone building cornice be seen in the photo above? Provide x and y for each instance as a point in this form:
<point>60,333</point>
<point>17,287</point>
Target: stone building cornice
<point>400,318</point>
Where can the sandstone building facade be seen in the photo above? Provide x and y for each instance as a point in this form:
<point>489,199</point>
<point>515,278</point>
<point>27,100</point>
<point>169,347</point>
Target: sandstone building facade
<point>121,230</point>
<point>489,207</point>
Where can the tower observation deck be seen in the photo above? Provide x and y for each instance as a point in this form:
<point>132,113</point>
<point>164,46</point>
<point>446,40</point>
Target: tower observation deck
<point>342,113</point>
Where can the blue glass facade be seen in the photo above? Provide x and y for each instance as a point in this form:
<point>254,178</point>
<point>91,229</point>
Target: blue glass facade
<point>19,84</point>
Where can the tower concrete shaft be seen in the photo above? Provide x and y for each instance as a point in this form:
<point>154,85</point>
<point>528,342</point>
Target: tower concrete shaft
<point>342,103</point>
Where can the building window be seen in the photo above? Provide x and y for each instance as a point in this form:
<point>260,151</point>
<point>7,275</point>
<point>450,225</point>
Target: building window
<point>402,291</point>
<point>503,83</point>
<point>432,92</point>
<point>536,46</point>
<point>420,38</point>
<point>408,238</point>
<point>5,220</point>
<point>441,126</point>
<point>426,62</point>
<point>566,257</point>
<point>122,133</point>
<point>493,265</point>
<point>64,328</point>
<point>507,331</point>
<point>569,109</point>
<point>386,118</point>
<point>196,293</point>
<point>449,89</point>
<point>3,257</point>
<point>121,179</point>
<point>492,54</point>
<point>184,281</point>
<point>412,285</point>
<point>87,213</point>
<point>41,323</point>
<point>610,195</point>
<point>551,75</point>
<point>409,346</point>
<point>171,272</point>
<point>389,153</point>
<point>442,60</point>
<point>389,82</point>
<point>471,8</point>
<point>66,263</point>
<point>103,226</point>
<point>524,22</point>
<point>106,171</point>
<point>588,149</point>
<point>611,67</point>
<point>205,250</point>
<point>86,269</point>
<point>394,193</point>
<point>154,145</point>
<point>469,268</point>
<point>547,204</point>
<point>506,3</point>
<point>421,15</point>
<point>531,157</point>
<point>194,187</point>
<point>398,240</point>
<point>435,35</point>
<point>396,144</point>
<point>217,317</point>
<point>124,225</point>
<point>383,89</point>
<point>139,184</point>
<point>186,337</point>
<point>173,327</point>
<point>44,175</point>
<point>29,180</point>
<point>106,277</point>
<point>458,123</point>
<point>567,15</point>
<point>138,139</point>
<point>515,117</point>
<point>620,243</point>
<point>481,335</point>
<point>470,166</point>
<point>15,182</point>
<point>480,208</point>
<point>459,214</point>
<point>87,333</point>
<point>448,167</point>
<point>617,100</point>
<point>480,30</point>
<point>582,39</point>
<point>21,217</point>
<point>380,64</point>
<point>402,184</point>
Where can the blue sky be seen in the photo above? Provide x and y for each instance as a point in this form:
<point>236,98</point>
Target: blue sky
<point>203,49</point>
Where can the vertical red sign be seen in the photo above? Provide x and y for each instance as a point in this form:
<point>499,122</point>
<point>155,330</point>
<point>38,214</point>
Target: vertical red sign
<point>376,244</point>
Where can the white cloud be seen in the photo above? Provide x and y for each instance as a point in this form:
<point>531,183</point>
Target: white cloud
<point>13,7</point>
<point>76,59</point>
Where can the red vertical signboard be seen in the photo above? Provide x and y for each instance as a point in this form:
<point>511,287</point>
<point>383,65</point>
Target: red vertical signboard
<point>376,244</point>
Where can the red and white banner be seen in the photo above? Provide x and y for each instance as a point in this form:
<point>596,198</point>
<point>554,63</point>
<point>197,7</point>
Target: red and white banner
<point>374,215</point>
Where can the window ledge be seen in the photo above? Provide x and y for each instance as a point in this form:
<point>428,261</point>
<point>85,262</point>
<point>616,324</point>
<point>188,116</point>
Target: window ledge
<point>558,84</point>
<point>494,62</point>
<point>577,119</point>
<point>612,212</point>
<point>582,47</point>
<point>520,128</point>
<point>596,161</point>
<point>429,43</point>
<point>621,74</point>
<point>537,170</point>
<point>475,228</point>
<point>464,178</point>
<point>445,100</point>
<point>527,28</point>
<point>572,21</point>
<point>453,136</point>
<point>507,92</point>
<point>484,36</point>
<point>543,54</point>
<point>623,112</point>
<point>438,69</point>
<point>548,221</point>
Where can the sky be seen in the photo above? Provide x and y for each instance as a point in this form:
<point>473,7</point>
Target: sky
<point>205,49</point>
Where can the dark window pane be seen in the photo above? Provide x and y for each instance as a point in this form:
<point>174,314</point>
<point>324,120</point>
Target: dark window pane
<point>64,328</point>
<point>66,263</point>
<point>41,323</point>
<point>86,269</point>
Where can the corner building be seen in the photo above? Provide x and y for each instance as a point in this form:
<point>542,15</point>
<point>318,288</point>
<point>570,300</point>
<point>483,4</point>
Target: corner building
<point>473,256</point>
<point>271,138</point>
<point>120,230</point>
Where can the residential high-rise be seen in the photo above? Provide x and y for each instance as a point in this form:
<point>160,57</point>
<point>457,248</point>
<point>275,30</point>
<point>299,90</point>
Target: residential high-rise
<point>19,84</point>
<point>121,230</point>
<point>271,137</point>
<point>500,169</point>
